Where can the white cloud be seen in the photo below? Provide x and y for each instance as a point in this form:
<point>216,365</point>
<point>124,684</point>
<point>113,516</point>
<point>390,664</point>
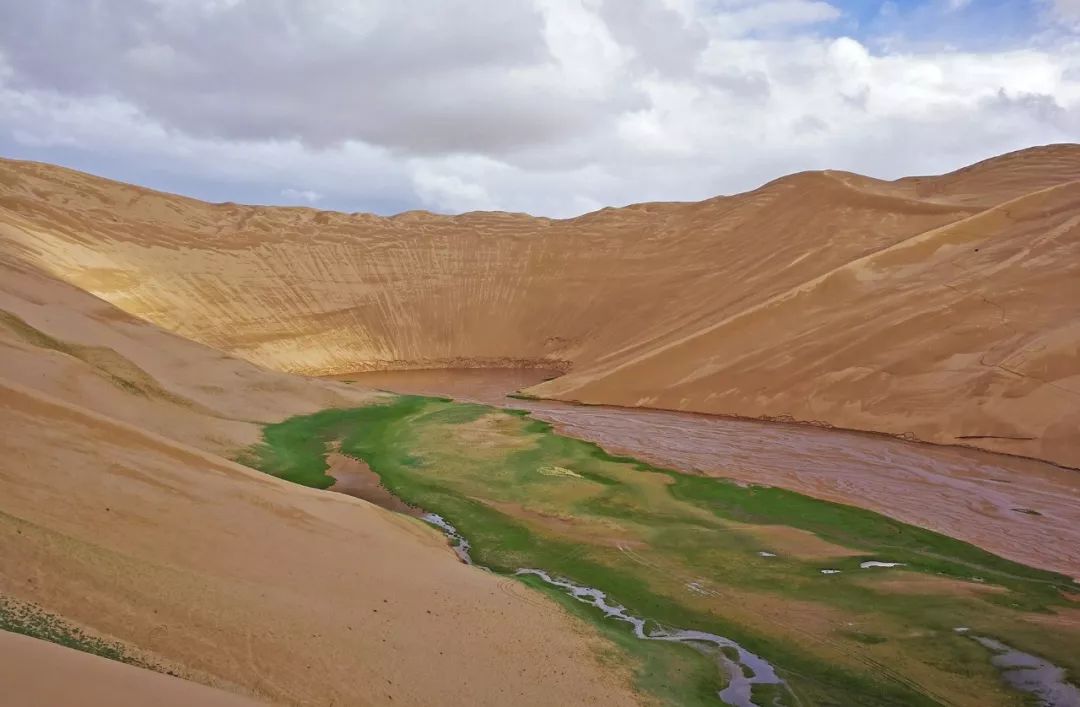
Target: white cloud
<point>1066,12</point>
<point>743,16</point>
<point>547,106</point>
<point>306,195</point>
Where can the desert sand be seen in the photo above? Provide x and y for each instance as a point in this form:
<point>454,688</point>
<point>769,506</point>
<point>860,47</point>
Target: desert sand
<point>942,308</point>
<point>119,514</point>
<point>145,338</point>
<point>40,674</point>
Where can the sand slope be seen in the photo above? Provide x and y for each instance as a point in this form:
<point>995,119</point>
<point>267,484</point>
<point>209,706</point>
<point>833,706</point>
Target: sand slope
<point>289,594</point>
<point>760,304</point>
<point>31,670</point>
<point>118,513</point>
<point>966,333</point>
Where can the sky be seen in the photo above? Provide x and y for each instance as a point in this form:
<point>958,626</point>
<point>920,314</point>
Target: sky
<point>551,107</point>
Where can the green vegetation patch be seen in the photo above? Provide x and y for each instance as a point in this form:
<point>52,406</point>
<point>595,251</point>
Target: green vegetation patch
<point>744,562</point>
<point>31,620</point>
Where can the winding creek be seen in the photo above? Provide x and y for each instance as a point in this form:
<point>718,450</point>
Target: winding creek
<point>1031,674</point>
<point>743,671</point>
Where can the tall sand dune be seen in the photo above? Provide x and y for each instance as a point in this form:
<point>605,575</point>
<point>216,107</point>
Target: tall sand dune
<point>941,307</point>
<point>121,515</point>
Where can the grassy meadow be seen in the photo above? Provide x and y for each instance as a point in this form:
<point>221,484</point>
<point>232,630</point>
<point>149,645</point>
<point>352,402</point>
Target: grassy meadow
<point>742,561</point>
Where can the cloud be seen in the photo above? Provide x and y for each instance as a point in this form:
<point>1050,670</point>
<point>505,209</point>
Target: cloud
<point>306,195</point>
<point>743,16</point>
<point>547,106</point>
<point>1066,12</point>
<point>410,75</point>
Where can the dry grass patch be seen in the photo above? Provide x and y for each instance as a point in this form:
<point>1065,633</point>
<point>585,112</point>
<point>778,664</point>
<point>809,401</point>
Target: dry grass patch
<point>900,582</point>
<point>796,543</point>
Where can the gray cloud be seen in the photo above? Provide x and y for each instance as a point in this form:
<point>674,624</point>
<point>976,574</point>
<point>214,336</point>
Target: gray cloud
<point>1039,106</point>
<point>412,75</point>
<point>662,39</point>
<point>549,106</point>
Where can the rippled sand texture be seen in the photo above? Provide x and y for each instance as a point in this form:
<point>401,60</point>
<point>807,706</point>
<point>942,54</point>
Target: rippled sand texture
<point>1025,510</point>
<point>122,512</point>
<point>946,307</point>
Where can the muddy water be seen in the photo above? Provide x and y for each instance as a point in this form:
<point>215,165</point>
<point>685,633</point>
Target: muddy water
<point>353,477</point>
<point>1024,510</point>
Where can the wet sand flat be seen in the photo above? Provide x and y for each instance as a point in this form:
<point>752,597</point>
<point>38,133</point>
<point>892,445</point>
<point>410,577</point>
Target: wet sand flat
<point>353,477</point>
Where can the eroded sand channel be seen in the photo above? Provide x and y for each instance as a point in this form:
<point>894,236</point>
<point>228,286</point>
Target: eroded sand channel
<point>1024,510</point>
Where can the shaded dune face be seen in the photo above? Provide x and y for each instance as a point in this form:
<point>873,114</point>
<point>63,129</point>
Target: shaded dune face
<point>942,308</point>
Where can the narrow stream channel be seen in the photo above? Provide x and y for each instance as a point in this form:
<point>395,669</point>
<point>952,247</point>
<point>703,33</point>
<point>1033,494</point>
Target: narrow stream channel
<point>1031,674</point>
<point>743,671</point>
<point>1022,671</point>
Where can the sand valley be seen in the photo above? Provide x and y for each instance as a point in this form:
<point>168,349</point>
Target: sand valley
<point>816,443</point>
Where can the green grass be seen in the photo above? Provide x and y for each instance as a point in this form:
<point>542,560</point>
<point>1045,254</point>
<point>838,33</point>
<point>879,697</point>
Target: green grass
<point>31,620</point>
<point>478,467</point>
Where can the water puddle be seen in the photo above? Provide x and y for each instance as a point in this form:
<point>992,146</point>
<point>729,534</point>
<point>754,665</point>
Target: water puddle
<point>744,671</point>
<point>1028,673</point>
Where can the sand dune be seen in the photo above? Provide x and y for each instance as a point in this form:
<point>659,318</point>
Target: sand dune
<point>145,337</point>
<point>969,332</point>
<point>119,514</point>
<point>30,670</point>
<point>781,302</point>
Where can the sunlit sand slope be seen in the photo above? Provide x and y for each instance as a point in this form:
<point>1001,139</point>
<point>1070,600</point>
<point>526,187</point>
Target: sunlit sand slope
<point>615,294</point>
<point>117,516</point>
<point>966,333</point>
<point>40,674</point>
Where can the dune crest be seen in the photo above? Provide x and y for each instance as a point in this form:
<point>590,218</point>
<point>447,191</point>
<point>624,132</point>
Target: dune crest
<point>942,308</point>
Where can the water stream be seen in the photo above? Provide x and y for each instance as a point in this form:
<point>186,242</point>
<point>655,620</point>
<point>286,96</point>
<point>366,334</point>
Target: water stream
<point>743,672</point>
<point>971,495</point>
<point>1031,674</point>
<point>457,540</point>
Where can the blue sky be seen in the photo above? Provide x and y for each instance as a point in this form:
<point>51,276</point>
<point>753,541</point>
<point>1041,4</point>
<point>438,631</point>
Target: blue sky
<point>972,25</point>
<point>554,107</point>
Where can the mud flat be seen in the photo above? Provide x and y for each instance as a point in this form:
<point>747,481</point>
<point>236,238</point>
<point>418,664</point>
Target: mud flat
<point>1025,510</point>
<point>353,477</point>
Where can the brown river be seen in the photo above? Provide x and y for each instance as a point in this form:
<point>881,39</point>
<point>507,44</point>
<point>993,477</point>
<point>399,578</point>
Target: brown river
<point>1025,510</point>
